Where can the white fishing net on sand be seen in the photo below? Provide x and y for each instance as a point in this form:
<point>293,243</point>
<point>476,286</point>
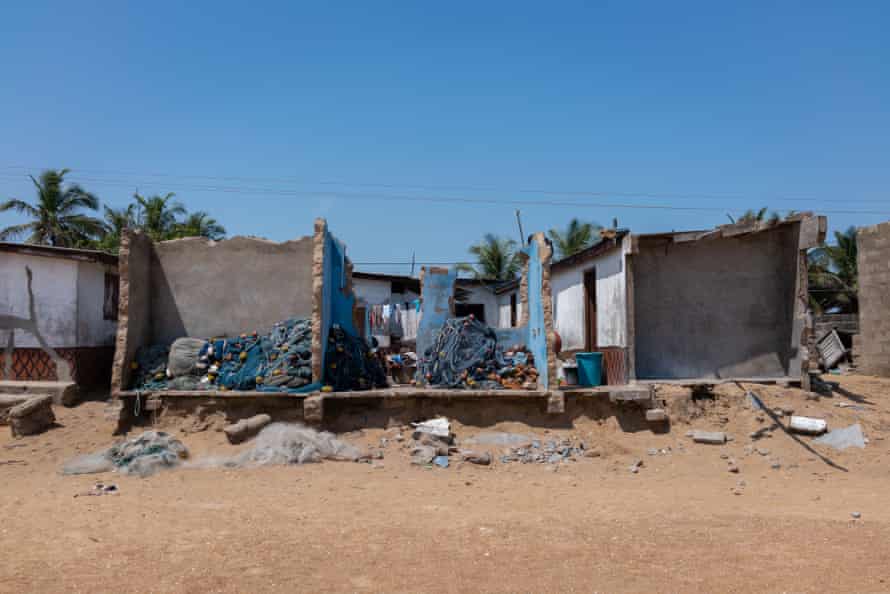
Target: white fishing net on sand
<point>286,443</point>
<point>143,456</point>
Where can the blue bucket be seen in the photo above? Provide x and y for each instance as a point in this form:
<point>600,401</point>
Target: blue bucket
<point>590,368</point>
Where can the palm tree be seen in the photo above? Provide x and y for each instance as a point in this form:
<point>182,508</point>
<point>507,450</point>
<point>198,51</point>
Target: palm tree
<point>116,220</point>
<point>576,237</point>
<point>833,274</point>
<point>496,259</point>
<point>200,224</point>
<point>57,217</point>
<point>157,215</point>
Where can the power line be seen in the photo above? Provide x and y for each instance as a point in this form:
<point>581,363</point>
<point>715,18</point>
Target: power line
<point>468,188</point>
<point>445,199</point>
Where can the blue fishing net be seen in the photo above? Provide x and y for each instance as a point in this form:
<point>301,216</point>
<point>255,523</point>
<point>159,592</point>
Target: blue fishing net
<point>466,354</point>
<point>350,364</point>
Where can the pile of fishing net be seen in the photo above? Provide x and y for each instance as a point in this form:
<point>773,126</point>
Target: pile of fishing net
<point>142,456</point>
<point>286,443</point>
<point>278,361</point>
<point>466,354</point>
<point>350,364</point>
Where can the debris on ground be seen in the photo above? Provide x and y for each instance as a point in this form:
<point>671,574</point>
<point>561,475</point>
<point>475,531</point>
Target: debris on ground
<point>441,461</point>
<point>500,438</point>
<point>731,466</point>
<point>480,458</point>
<point>100,489</point>
<point>142,456</point>
<point>710,437</point>
<point>246,428</point>
<point>856,515</point>
<point>34,415</point>
<point>549,452</point>
<point>843,438</point>
<point>636,465</point>
<point>466,354</point>
<point>438,427</point>
<point>807,425</point>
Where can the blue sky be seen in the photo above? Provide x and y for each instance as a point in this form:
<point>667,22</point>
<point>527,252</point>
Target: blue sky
<point>270,114</point>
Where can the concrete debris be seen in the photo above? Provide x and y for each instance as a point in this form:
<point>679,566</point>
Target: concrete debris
<point>808,425</point>
<point>710,437</point>
<point>246,428</point>
<point>550,452</point>
<point>841,439</point>
<point>423,455</point>
<point>481,458</point>
<point>656,415</point>
<point>438,427</point>
<point>34,415</point>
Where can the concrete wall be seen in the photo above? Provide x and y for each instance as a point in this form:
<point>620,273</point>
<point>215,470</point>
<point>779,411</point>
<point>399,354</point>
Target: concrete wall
<point>205,288</point>
<point>55,298</point>
<point>569,315</point>
<point>339,300</point>
<point>92,327</point>
<point>717,308</point>
<point>503,301</point>
<point>134,307</point>
<point>873,345</point>
<point>486,297</point>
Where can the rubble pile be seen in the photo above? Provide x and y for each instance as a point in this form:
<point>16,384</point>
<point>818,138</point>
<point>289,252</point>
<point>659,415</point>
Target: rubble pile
<point>466,354</point>
<point>549,452</point>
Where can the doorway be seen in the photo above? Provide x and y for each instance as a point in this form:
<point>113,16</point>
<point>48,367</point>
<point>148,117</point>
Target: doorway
<point>590,339</point>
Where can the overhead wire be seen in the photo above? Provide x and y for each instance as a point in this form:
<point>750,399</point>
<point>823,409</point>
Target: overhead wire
<point>441,199</point>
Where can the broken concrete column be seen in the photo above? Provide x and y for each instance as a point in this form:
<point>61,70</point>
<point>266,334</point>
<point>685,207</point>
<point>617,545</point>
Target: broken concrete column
<point>246,428</point>
<point>7,401</point>
<point>313,409</point>
<point>712,437</point>
<point>35,415</point>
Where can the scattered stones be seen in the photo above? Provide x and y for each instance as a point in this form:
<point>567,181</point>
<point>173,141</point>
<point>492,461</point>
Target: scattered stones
<point>762,451</point>
<point>732,467</point>
<point>856,515</point>
<point>636,465</point>
<point>775,465</point>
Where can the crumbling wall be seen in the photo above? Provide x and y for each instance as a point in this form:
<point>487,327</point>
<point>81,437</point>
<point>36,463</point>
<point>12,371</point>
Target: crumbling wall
<point>873,345</point>
<point>336,294</point>
<point>717,308</point>
<point>134,305</point>
<point>206,288</point>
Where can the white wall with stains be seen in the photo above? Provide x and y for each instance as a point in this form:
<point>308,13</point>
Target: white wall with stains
<point>68,298</point>
<point>567,286</point>
<point>503,300</point>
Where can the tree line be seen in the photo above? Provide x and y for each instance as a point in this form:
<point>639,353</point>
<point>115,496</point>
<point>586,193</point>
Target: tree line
<point>61,215</point>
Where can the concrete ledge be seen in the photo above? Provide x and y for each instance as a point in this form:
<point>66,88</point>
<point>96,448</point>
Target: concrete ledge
<point>64,393</point>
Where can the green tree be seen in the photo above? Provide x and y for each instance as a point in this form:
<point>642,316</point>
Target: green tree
<point>157,215</point>
<point>200,224</point>
<point>834,275</point>
<point>575,238</point>
<point>57,217</point>
<point>496,259</point>
<point>116,220</point>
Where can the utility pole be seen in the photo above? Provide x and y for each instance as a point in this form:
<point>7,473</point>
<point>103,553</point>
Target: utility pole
<point>521,234</point>
<point>412,263</point>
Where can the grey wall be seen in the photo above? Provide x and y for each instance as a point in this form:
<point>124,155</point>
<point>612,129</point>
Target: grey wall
<point>202,288</point>
<point>874,299</point>
<point>716,308</point>
<point>134,311</point>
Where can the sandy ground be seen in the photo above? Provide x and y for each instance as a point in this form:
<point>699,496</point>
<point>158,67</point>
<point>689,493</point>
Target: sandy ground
<point>682,523</point>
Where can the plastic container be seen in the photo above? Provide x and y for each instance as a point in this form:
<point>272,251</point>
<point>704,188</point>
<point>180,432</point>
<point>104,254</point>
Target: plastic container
<point>590,368</point>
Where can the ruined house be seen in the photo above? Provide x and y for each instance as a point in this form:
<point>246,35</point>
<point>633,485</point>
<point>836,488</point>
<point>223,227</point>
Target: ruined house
<point>727,303</point>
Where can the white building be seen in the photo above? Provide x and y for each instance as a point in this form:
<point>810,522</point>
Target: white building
<point>590,296</point>
<point>70,307</point>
